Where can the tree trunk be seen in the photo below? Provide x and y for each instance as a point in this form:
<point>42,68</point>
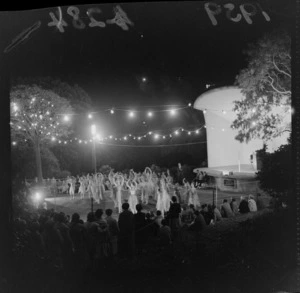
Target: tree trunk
<point>38,161</point>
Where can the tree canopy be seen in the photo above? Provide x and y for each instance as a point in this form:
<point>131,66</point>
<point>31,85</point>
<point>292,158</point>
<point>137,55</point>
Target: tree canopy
<point>37,114</point>
<point>266,86</point>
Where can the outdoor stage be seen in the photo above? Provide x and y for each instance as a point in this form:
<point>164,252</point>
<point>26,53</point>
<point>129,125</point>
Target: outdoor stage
<point>64,203</point>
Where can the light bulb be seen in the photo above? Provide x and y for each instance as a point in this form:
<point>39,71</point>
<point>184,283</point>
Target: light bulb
<point>176,132</point>
<point>131,114</point>
<point>197,131</point>
<point>204,111</point>
<point>66,118</point>
<point>156,136</point>
<point>172,112</point>
<point>189,133</point>
<point>190,104</point>
<point>150,114</point>
<point>112,111</point>
<point>90,116</point>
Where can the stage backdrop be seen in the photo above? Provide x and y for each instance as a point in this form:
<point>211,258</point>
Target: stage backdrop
<point>222,147</point>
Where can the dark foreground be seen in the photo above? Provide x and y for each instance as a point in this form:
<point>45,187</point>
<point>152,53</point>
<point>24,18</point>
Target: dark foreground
<point>251,253</point>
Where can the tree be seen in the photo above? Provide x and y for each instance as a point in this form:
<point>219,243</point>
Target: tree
<point>266,85</point>
<point>275,174</point>
<point>37,117</point>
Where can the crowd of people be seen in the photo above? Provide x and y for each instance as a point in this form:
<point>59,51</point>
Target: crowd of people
<point>132,188</point>
<point>102,239</point>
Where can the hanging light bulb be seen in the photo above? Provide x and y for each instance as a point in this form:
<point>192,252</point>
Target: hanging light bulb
<point>90,116</point>
<point>125,137</point>
<point>131,114</point>
<point>176,132</point>
<point>204,111</point>
<point>66,118</point>
<point>110,137</point>
<point>156,136</point>
<point>14,143</point>
<point>170,135</point>
<point>150,133</point>
<point>190,104</point>
<point>139,138</point>
<point>197,131</point>
<point>80,141</point>
<point>112,111</point>
<point>204,126</point>
<point>150,114</point>
<point>164,137</point>
<point>173,112</point>
<point>47,113</point>
<point>41,117</point>
<point>189,133</point>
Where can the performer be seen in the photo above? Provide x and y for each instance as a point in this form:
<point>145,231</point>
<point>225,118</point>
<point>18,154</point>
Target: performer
<point>71,189</point>
<point>165,196</point>
<point>159,202</point>
<point>194,195</point>
<point>132,200</point>
<point>119,182</point>
<point>113,188</point>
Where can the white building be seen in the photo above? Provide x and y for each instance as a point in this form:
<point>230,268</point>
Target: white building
<point>226,155</point>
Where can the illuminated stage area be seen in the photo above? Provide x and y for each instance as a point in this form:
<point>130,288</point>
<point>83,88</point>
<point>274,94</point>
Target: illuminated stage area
<point>63,203</point>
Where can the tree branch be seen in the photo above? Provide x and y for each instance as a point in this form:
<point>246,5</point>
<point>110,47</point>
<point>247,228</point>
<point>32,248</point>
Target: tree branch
<point>282,71</point>
<point>275,89</point>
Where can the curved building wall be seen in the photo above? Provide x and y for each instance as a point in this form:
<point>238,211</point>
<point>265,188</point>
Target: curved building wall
<point>222,147</point>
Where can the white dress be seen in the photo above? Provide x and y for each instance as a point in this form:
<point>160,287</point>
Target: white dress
<point>159,203</point>
<point>133,200</point>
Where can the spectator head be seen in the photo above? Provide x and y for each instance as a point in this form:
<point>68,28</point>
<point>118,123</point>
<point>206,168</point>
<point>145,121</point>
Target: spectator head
<point>174,199</point>
<point>233,200</point>
<point>158,213</point>
<point>225,200</point>
<point>125,206</point>
<point>197,213</point>
<point>108,212</point>
<point>81,221</point>
<point>90,217</point>
<point>191,206</point>
<point>164,222</point>
<point>148,216</point>
<point>98,213</point>
<point>138,207</point>
<point>75,218</point>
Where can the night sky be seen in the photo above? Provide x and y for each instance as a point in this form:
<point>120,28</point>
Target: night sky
<point>174,45</point>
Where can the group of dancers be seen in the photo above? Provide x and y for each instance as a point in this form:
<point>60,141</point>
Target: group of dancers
<point>134,188</point>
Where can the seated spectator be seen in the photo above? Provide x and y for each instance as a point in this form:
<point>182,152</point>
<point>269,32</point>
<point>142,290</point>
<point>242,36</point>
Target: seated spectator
<point>164,234</point>
<point>92,230</point>
<point>252,204</point>
<point>217,214</point>
<point>204,213</point>
<point>187,216</point>
<point>226,211</point>
<point>244,207</point>
<point>126,236</point>
<point>158,219</point>
<point>174,213</point>
<point>210,214</point>
<point>113,231</point>
<point>139,228</point>
<point>199,223</point>
<point>234,206</point>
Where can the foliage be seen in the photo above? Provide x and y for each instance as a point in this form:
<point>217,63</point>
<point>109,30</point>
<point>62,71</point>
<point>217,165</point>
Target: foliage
<point>35,114</point>
<point>275,175</point>
<point>23,161</point>
<point>105,169</point>
<point>266,85</point>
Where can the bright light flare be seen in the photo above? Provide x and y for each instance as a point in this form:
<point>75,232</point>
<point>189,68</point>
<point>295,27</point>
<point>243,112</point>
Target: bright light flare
<point>66,118</point>
<point>156,136</point>
<point>150,114</point>
<point>112,111</point>
<point>93,129</point>
<point>90,116</point>
<point>131,114</point>
<point>173,112</point>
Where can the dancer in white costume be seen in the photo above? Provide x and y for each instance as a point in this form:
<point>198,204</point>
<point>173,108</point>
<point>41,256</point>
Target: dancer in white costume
<point>71,189</point>
<point>148,184</point>
<point>194,195</point>
<point>113,188</point>
<point>159,202</point>
<point>132,200</point>
<point>82,187</point>
<point>165,196</point>
<point>119,182</point>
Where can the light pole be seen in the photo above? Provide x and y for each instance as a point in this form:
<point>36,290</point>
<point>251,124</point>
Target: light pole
<point>93,129</point>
